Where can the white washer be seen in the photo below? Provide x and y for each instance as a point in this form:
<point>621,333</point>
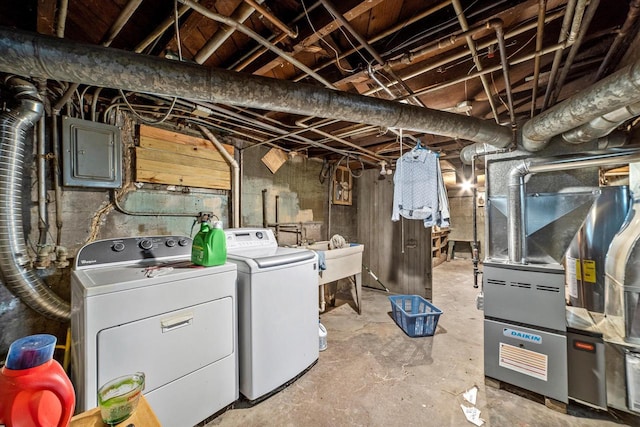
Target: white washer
<point>139,304</point>
<point>277,310</point>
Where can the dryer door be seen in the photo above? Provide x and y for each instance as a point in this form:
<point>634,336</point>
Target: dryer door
<point>168,346</point>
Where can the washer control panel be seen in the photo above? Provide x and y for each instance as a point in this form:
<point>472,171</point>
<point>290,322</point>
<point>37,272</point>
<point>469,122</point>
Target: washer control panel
<point>250,238</point>
<point>130,249</point>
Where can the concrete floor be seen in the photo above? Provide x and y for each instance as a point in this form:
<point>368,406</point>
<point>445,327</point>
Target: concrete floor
<point>372,374</point>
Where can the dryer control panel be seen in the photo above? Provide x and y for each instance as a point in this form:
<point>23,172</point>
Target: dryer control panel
<point>113,251</point>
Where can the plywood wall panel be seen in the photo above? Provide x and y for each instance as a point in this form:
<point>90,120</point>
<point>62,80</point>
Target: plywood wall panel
<point>165,157</point>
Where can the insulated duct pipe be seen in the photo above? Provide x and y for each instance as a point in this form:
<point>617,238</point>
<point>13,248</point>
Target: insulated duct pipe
<point>33,54</point>
<point>516,212</point>
<point>18,277</point>
<point>602,125</point>
<point>611,93</point>
<point>235,186</point>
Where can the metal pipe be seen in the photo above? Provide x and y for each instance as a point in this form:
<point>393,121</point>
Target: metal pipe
<point>474,54</point>
<point>611,93</point>
<point>363,42</point>
<point>255,36</point>
<point>160,29</point>
<point>245,62</point>
<point>272,18</point>
<point>17,274</point>
<point>576,24</point>
<point>116,202</point>
<point>382,35</point>
<point>586,21</point>
<point>55,149</point>
<point>555,66</point>
<point>365,152</point>
<point>235,187</point>
<point>121,21</point>
<point>516,212</point>
<point>497,26</point>
<point>515,61</point>
<point>25,53</point>
<point>65,98</point>
<point>241,14</point>
<point>41,159</point>
<point>440,44</point>
<point>632,17</point>
<point>258,50</point>
<point>542,7</point>
<point>504,61</point>
<point>434,65</point>
<point>474,220</point>
<point>264,209</point>
<point>61,20</point>
<point>277,129</point>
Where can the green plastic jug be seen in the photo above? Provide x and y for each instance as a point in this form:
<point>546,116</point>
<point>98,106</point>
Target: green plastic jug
<point>210,245</point>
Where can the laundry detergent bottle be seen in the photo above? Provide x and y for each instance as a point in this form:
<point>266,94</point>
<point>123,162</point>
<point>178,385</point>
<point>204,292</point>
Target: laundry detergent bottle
<point>210,245</point>
<point>34,389</point>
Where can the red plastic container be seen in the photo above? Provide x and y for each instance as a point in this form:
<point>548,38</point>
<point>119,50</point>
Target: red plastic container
<point>39,396</point>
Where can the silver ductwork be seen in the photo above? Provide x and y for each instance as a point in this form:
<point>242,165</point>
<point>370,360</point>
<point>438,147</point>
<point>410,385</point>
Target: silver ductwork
<point>37,55</point>
<point>622,269</point>
<point>614,92</point>
<point>602,125</point>
<point>516,209</point>
<point>590,115</point>
<point>15,269</point>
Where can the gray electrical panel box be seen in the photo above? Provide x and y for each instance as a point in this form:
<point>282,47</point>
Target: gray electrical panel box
<point>92,154</point>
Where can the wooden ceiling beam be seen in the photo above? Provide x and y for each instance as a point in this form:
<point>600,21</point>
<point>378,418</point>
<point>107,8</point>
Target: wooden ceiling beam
<point>314,38</point>
<point>47,16</point>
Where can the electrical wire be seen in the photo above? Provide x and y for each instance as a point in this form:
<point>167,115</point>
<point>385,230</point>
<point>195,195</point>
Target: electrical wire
<point>177,26</point>
<point>81,101</point>
<point>522,47</point>
<point>306,14</point>
<point>79,98</point>
<point>495,87</point>
<point>145,119</point>
<point>392,84</point>
<point>430,31</point>
<point>325,171</point>
<point>348,156</point>
<point>346,36</point>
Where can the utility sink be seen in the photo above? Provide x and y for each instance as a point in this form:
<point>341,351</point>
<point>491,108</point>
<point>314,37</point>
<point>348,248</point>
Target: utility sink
<point>340,264</point>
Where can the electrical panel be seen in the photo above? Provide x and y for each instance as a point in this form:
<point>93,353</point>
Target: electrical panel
<point>92,154</point>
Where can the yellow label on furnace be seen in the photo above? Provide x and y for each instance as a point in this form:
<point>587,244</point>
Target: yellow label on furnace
<point>589,271</point>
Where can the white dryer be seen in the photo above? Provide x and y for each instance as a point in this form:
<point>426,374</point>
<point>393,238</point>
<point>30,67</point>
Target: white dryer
<point>139,304</point>
<point>277,310</point>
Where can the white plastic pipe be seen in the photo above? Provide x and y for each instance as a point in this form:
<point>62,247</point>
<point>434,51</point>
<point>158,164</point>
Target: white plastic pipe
<point>235,186</point>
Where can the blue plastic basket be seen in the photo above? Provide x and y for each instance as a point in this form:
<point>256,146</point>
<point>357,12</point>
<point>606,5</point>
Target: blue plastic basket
<point>415,315</point>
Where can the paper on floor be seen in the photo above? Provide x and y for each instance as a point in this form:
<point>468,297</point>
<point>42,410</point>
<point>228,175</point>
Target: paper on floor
<point>473,415</point>
<point>471,395</point>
